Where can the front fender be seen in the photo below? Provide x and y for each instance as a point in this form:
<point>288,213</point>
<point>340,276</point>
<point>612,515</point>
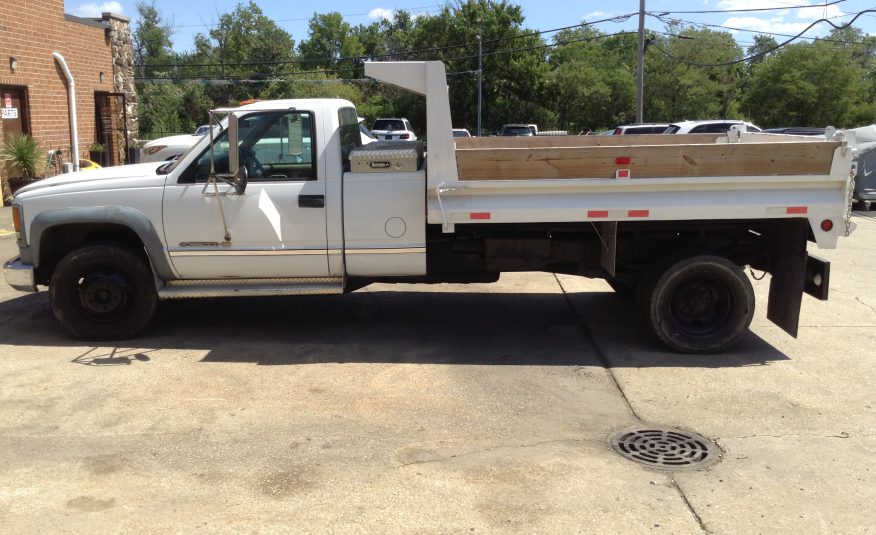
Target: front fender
<point>117,215</point>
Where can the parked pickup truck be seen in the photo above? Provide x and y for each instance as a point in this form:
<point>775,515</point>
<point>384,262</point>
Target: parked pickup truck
<point>283,200</point>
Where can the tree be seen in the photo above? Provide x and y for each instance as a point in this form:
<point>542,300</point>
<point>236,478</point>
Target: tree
<point>679,85</point>
<point>592,84</point>
<point>153,46</point>
<point>329,40</point>
<point>810,84</point>
<point>245,45</point>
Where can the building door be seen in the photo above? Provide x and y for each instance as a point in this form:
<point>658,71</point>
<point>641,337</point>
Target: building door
<point>13,118</point>
<point>110,120</point>
<point>14,111</point>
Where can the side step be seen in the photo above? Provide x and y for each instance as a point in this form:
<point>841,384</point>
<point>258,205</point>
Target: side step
<point>192,288</point>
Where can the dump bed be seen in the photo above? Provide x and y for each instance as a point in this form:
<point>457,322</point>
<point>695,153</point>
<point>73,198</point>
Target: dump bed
<point>734,176</point>
<point>637,156</point>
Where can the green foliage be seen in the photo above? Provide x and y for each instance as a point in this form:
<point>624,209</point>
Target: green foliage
<point>152,39</point>
<point>160,105</point>
<point>809,84</point>
<point>584,80</point>
<point>23,156</point>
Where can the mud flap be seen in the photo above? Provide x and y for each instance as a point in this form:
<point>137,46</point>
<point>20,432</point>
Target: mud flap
<point>608,252</point>
<point>788,259</point>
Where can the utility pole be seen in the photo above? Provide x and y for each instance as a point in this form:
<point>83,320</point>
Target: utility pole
<point>480,69</point>
<point>640,66</point>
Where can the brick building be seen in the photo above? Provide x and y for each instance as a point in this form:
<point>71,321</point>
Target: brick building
<point>33,88</point>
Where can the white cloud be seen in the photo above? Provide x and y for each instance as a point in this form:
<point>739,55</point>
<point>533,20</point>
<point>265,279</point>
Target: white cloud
<point>594,15</point>
<point>379,13</point>
<point>807,13</point>
<point>765,26</point>
<point>94,10</point>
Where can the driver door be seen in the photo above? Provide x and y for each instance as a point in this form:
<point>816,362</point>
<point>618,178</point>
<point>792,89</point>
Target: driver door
<point>277,227</point>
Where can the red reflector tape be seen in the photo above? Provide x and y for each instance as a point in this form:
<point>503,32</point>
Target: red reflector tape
<point>623,160</point>
<point>639,213</point>
<point>597,213</point>
<point>479,215</point>
<point>797,210</point>
<point>622,173</point>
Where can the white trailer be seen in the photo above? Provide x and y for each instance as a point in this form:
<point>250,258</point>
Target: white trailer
<point>671,220</point>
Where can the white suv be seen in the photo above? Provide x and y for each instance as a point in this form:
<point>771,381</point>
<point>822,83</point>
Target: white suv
<point>716,126</point>
<point>393,130</point>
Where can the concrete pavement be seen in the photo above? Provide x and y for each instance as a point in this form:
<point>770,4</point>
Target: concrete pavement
<point>436,409</point>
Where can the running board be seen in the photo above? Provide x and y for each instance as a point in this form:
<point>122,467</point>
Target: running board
<point>192,288</point>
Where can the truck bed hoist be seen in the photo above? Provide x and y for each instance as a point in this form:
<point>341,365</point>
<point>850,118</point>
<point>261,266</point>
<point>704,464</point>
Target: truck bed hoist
<point>282,199</point>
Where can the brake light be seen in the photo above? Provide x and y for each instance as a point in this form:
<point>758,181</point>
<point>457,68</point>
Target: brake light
<point>827,225</point>
<point>404,136</point>
<point>16,218</point>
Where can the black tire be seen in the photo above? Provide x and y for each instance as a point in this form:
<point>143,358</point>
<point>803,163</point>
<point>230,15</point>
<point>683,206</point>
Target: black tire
<point>701,304</point>
<point>103,292</point>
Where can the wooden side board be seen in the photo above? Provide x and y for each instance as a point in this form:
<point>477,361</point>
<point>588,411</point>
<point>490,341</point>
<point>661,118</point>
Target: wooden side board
<point>652,161</point>
<point>533,142</point>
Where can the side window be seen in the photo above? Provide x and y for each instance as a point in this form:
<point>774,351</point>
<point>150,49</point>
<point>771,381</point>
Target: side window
<point>348,126</point>
<point>699,129</point>
<point>274,146</point>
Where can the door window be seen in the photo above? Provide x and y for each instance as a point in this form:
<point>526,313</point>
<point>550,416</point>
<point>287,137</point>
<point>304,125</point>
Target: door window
<point>274,146</point>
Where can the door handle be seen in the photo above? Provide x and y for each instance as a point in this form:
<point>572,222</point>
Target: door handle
<point>311,201</point>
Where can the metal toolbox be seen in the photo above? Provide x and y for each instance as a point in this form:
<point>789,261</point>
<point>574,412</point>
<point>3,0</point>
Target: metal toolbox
<point>387,157</point>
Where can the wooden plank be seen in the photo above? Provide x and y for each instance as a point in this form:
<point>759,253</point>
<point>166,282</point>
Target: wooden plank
<point>656,161</point>
<point>532,142</point>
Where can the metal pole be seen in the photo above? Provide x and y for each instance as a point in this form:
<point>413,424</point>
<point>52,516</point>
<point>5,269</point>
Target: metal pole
<point>640,66</point>
<point>480,73</point>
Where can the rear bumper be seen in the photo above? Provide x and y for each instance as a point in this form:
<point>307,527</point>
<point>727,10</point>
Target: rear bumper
<point>19,275</point>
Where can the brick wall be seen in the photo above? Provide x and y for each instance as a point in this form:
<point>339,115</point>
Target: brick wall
<point>31,32</point>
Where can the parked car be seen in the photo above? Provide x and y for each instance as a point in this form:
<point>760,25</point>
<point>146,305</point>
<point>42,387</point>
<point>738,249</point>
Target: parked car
<point>367,136</point>
<point>714,126</point>
<point>461,132</point>
<point>167,148</point>
<point>515,130</point>
<point>393,130</point>
<point>796,131</point>
<point>641,128</point>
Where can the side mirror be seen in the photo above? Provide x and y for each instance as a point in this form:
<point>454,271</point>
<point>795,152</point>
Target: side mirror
<point>233,145</point>
<point>240,179</point>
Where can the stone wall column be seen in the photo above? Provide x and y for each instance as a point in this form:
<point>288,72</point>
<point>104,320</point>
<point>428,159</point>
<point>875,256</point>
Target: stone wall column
<point>122,43</point>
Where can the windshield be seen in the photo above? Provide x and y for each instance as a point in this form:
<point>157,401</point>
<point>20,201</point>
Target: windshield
<point>517,131</point>
<point>673,128</point>
<point>388,124</point>
<point>171,165</point>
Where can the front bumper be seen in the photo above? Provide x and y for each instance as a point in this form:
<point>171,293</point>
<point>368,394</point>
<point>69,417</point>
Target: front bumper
<point>19,275</point>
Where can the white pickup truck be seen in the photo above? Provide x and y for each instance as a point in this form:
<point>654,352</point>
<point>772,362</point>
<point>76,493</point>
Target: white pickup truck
<point>306,210</point>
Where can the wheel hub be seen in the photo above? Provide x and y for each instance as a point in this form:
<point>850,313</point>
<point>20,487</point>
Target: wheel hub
<point>103,293</point>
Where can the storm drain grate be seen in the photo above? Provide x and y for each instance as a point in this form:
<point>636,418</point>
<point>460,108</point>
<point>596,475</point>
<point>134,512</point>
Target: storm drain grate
<point>666,449</point>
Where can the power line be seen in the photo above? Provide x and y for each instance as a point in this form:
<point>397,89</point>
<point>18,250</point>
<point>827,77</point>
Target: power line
<point>761,32</point>
<point>785,8</point>
<point>352,69</point>
<point>308,18</point>
<point>416,52</point>
<point>764,53</point>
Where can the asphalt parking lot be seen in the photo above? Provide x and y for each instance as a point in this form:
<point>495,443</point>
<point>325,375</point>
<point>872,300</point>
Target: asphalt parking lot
<point>437,409</point>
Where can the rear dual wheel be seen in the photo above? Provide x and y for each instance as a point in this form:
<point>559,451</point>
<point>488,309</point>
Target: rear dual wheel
<point>699,304</point>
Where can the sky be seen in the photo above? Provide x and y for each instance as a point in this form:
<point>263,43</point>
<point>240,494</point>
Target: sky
<point>190,17</point>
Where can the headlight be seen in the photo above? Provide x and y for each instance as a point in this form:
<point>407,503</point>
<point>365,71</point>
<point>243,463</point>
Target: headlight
<point>152,150</point>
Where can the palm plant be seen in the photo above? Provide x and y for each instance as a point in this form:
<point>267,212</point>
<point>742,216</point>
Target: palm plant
<point>23,156</point>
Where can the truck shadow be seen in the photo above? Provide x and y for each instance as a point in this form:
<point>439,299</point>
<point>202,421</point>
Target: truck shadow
<point>431,327</point>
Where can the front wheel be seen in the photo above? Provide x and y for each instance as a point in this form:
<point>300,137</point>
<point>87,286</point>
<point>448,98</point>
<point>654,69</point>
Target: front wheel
<point>103,292</point>
<point>701,304</point>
